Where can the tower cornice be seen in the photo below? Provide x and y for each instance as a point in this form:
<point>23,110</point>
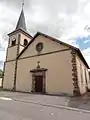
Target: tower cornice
<point>20,30</point>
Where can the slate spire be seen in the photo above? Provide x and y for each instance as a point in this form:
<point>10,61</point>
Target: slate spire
<point>21,22</point>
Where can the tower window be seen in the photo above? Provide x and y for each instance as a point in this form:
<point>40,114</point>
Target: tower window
<point>25,42</point>
<point>14,42</point>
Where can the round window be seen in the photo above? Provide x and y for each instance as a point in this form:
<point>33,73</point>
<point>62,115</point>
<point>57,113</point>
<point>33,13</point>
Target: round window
<point>39,47</point>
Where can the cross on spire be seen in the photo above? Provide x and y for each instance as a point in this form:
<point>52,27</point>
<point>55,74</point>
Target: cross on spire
<point>21,22</point>
<point>22,4</point>
<point>38,66</point>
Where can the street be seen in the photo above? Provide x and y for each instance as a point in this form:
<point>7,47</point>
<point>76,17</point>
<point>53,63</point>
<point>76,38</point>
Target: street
<point>15,110</point>
<point>11,109</point>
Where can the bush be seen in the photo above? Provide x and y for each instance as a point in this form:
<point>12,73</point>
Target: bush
<point>1,73</point>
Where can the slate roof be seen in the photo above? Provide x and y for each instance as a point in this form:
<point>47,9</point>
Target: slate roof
<point>21,26</point>
<point>21,22</point>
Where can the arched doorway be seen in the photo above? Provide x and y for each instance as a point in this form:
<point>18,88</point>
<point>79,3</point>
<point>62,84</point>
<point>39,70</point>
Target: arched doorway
<point>39,80</point>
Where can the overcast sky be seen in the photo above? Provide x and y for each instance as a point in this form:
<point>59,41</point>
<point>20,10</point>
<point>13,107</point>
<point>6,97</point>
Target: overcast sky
<point>66,20</point>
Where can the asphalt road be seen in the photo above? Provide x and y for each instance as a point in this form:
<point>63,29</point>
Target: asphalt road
<point>16,110</point>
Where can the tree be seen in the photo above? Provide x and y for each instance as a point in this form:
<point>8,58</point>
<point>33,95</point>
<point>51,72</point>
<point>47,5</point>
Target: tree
<point>1,73</point>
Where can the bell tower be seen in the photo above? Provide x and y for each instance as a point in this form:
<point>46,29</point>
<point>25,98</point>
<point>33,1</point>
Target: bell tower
<point>18,39</point>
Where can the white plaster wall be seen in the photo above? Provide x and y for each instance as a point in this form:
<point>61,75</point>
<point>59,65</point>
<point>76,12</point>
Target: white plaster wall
<point>13,37</point>
<point>9,75</point>
<point>88,79</point>
<point>58,76</point>
<point>48,46</point>
<point>12,53</point>
<point>20,48</point>
<point>24,37</point>
<point>82,85</point>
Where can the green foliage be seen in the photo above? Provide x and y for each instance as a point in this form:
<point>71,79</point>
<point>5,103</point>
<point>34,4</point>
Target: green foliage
<point>1,73</point>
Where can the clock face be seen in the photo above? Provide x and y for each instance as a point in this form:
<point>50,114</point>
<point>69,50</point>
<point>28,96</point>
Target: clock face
<point>39,47</point>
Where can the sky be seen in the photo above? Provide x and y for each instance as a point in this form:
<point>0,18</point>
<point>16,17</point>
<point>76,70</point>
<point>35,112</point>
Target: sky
<point>66,20</point>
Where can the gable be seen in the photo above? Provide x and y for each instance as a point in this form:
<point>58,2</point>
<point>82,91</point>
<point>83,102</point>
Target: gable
<point>48,46</point>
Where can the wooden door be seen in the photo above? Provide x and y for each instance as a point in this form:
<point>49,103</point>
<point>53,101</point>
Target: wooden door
<point>38,83</point>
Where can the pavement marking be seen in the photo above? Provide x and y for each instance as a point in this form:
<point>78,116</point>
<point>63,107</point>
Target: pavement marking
<point>51,113</point>
<point>5,98</point>
<point>41,110</point>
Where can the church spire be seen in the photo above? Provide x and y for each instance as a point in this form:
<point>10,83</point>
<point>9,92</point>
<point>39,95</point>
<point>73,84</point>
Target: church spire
<point>21,22</point>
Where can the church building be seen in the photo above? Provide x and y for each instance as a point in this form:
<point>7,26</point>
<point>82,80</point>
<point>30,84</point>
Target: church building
<point>43,64</point>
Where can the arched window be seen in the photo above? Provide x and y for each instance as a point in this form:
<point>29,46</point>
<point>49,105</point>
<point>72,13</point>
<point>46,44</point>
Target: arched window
<point>14,42</point>
<point>25,42</point>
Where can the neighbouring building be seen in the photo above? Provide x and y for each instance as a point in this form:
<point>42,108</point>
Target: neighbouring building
<point>43,64</point>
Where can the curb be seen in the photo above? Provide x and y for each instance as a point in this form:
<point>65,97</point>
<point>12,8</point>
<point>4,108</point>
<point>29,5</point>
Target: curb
<point>56,106</point>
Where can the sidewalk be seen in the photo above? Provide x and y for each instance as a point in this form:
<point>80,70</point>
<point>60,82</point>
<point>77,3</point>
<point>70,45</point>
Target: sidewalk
<point>58,101</point>
<point>42,99</point>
